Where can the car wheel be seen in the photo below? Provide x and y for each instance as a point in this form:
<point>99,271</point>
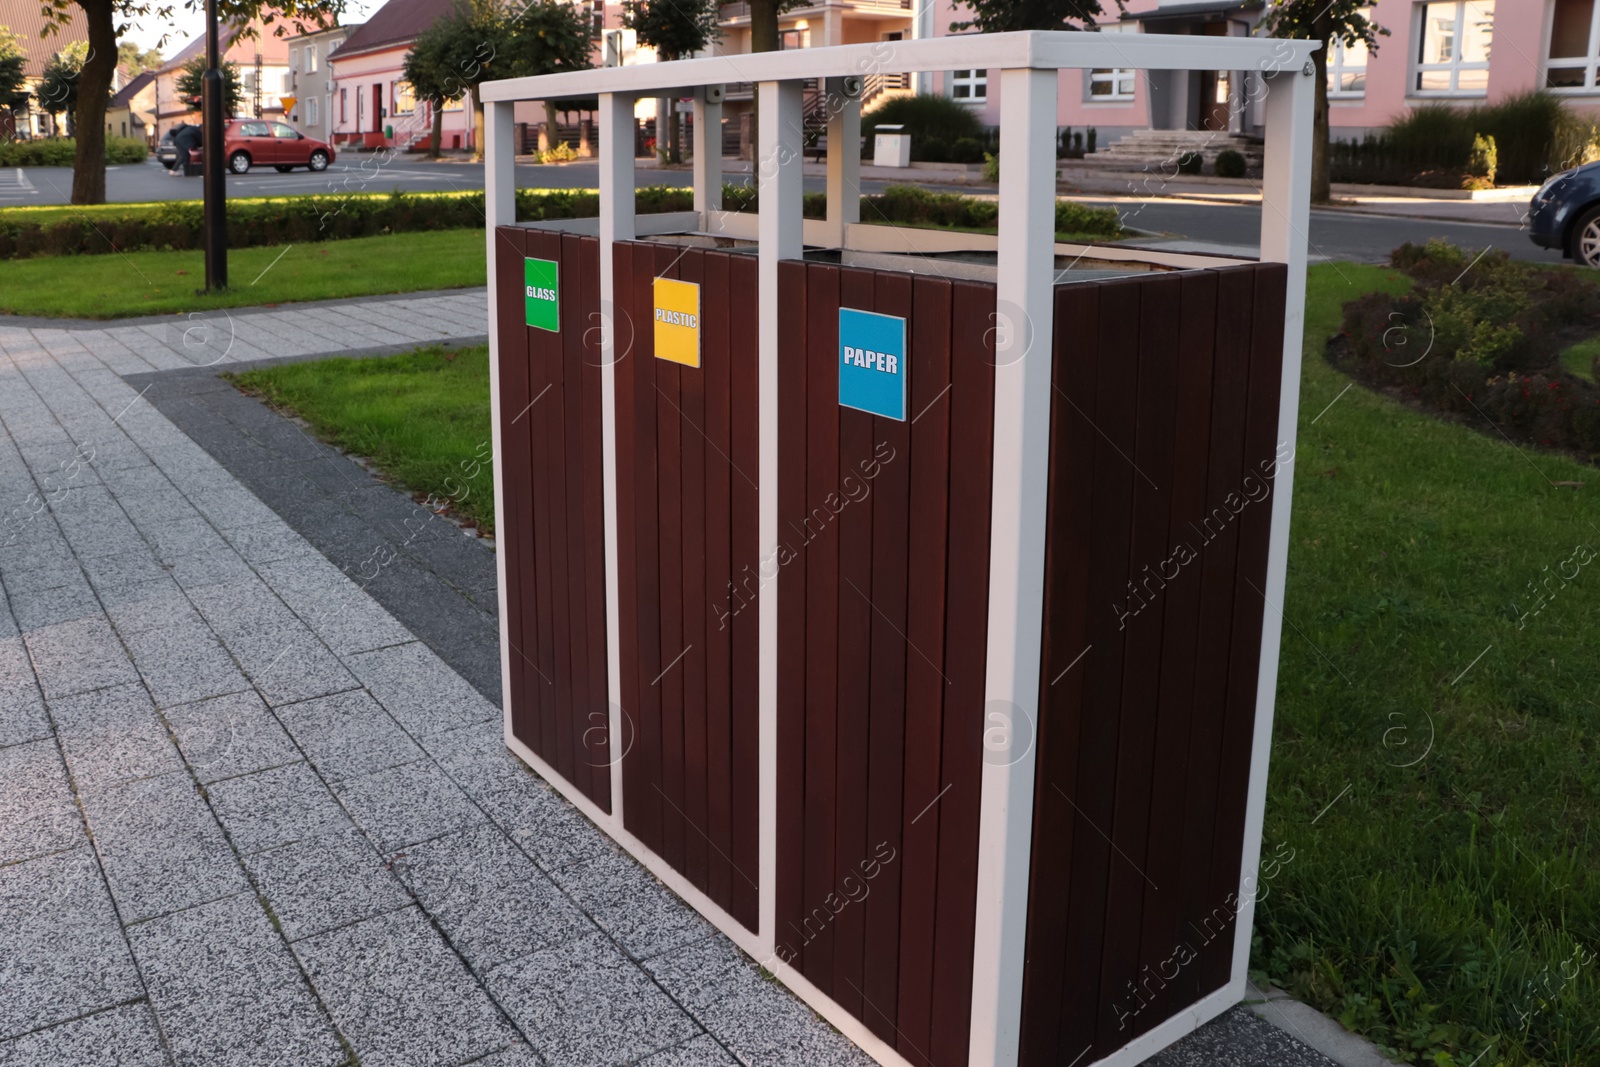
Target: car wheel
<point>1584,245</point>
<point>282,168</point>
<point>239,162</point>
<point>319,160</point>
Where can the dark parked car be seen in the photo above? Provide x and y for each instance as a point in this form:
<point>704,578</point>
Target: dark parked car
<point>1565,214</point>
<point>265,142</point>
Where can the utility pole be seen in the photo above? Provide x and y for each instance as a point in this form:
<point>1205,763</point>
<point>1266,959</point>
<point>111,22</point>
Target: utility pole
<point>215,187</point>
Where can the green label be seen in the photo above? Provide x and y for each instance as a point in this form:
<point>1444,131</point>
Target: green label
<point>543,281</point>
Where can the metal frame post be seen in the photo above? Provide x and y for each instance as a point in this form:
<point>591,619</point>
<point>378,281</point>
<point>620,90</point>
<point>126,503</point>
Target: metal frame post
<point>778,170</point>
<point>499,209</point>
<point>1023,325</point>
<point>616,224</point>
<point>1285,232</point>
<point>707,150</point>
<point>844,157</point>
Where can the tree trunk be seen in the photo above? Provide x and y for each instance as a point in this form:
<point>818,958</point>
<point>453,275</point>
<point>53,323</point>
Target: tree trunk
<point>763,38</point>
<point>551,135</point>
<point>94,89</point>
<point>477,129</point>
<point>437,107</point>
<point>675,133</point>
<point>1321,178</point>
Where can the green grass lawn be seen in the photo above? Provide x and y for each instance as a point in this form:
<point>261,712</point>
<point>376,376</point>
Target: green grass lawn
<point>1579,359</point>
<point>423,417</point>
<point>1434,772</point>
<point>148,283</point>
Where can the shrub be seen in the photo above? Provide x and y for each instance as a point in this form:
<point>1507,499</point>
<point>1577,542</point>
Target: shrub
<point>1527,131</point>
<point>924,115</point>
<point>1093,133</point>
<point>1190,162</point>
<point>991,167</point>
<point>1229,164</point>
<point>967,150</point>
<point>930,150</point>
<point>561,153</point>
<point>62,152</point>
<point>915,205</point>
<point>1481,164</point>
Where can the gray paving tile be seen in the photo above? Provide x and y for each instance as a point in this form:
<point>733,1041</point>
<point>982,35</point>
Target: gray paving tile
<point>266,542</point>
<point>36,609</point>
<point>217,566</point>
<point>332,605</point>
<point>22,714</point>
<point>275,807</point>
<point>184,663</point>
<point>124,1036</point>
<point>348,734</point>
<point>757,1019</point>
<point>420,690</point>
<point>160,847</point>
<point>147,605</point>
<point>321,883</point>
<point>702,1051</point>
<point>121,569</point>
<point>61,950</point>
<point>38,814</point>
<point>640,913</point>
<point>76,657</point>
<point>230,735</point>
<point>228,992</point>
<point>584,1003</point>
<point>280,654</point>
<point>113,735</point>
<point>491,901</point>
<point>400,995</point>
<point>403,805</point>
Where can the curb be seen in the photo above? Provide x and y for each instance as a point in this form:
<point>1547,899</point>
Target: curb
<point>1312,1028</point>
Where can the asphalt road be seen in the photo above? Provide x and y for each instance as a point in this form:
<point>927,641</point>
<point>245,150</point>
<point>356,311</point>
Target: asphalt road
<point>1201,225</point>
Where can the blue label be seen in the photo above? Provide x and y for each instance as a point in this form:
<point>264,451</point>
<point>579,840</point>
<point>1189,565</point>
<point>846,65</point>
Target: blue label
<point>872,363</point>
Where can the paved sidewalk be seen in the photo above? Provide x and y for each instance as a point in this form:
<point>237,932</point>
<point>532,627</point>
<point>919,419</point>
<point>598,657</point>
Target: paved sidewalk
<point>246,817</point>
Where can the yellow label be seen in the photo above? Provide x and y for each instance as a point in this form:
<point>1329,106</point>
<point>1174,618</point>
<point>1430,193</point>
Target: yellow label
<point>677,315</point>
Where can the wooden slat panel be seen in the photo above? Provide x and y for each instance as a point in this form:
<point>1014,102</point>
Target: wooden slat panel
<point>577,603</point>
<point>1255,531</point>
<point>1066,647</point>
<point>856,616</point>
<point>635,783</point>
<point>543,424</point>
<point>696,603</point>
<point>1217,542</point>
<point>927,458</point>
<point>791,583</point>
<point>591,726</point>
<point>670,432</point>
<point>966,628</point>
<point>719,577</point>
<point>889,486</point>
<point>1162,932</point>
<point>1093,791</point>
<point>822,617</point>
<point>1156,403</point>
<point>743,301</point>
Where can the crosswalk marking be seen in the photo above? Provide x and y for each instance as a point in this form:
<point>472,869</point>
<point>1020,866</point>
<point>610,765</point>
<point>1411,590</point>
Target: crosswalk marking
<point>14,185</point>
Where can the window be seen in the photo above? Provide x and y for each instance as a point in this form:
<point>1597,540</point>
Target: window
<point>249,81</point>
<point>1111,85</point>
<point>311,59</point>
<point>1347,69</point>
<point>405,99</point>
<point>1453,47</point>
<point>1573,46</point>
<point>311,112</point>
<point>294,59</point>
<point>283,132</point>
<point>254,129</point>
<point>970,86</point>
<point>800,38</point>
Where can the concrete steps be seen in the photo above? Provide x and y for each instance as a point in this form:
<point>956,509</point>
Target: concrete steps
<point>1151,148</point>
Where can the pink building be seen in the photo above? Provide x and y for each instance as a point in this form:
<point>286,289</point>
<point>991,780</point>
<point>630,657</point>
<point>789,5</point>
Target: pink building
<point>1461,52</point>
<point>367,90</point>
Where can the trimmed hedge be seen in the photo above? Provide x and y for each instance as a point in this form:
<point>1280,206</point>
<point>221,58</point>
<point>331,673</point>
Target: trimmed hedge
<point>178,226</point>
<point>62,152</point>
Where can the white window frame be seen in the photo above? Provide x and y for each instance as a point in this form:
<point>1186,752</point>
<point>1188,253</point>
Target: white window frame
<point>1338,67</point>
<point>974,82</point>
<point>311,111</point>
<point>294,59</point>
<point>1122,80</point>
<point>1454,66</point>
<point>1589,63</point>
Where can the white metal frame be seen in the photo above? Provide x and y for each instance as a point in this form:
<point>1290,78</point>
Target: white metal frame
<point>1027,67</point>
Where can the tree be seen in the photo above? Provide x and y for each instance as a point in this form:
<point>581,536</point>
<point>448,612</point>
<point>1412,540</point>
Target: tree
<point>13,90</point>
<point>1328,21</point>
<point>675,29</point>
<point>548,37</point>
<point>1003,16</point>
<point>58,85</point>
<point>104,20</point>
<point>191,84</point>
<point>134,60</point>
<point>427,68</point>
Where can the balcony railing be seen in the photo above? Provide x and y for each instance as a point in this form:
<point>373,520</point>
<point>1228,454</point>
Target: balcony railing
<point>729,12</point>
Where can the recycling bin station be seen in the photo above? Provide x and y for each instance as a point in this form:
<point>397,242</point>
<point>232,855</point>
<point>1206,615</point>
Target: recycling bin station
<point>908,600</point>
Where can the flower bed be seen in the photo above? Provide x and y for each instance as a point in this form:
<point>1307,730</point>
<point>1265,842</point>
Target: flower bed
<point>1480,339</point>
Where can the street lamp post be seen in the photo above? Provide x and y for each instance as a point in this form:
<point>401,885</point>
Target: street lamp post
<point>215,188</point>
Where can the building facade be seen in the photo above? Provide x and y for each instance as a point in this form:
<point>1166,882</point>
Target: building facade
<point>23,18</point>
<point>263,61</point>
<point>309,89</point>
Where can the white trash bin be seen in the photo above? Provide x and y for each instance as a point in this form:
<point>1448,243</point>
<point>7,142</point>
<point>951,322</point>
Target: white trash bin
<point>891,147</point>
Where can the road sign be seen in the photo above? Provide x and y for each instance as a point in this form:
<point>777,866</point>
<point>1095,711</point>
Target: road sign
<point>677,318</point>
<point>872,363</point>
<point>542,279</point>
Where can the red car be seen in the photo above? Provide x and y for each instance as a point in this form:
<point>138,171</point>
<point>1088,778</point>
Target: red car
<point>263,142</point>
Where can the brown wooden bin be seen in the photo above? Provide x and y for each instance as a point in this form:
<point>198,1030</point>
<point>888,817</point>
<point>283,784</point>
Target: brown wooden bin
<point>1160,461</point>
